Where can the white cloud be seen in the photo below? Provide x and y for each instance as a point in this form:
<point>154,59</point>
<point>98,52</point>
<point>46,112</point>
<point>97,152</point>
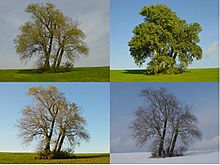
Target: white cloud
<point>208,118</point>
<point>206,144</point>
<point>212,49</point>
<point>116,141</point>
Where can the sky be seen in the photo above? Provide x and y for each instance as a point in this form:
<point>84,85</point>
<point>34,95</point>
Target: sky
<point>93,16</point>
<point>93,99</point>
<point>124,17</point>
<point>125,99</point>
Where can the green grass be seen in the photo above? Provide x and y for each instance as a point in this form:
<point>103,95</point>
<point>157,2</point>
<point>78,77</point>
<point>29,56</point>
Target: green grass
<point>191,75</point>
<point>29,158</point>
<point>87,74</point>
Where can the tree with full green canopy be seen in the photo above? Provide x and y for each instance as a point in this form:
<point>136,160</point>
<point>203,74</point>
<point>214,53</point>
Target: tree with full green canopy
<point>169,42</point>
<point>51,37</point>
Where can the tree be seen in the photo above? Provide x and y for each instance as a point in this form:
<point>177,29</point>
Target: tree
<point>50,36</point>
<point>164,122</point>
<point>50,119</point>
<point>71,126</point>
<point>169,42</point>
<point>183,125</point>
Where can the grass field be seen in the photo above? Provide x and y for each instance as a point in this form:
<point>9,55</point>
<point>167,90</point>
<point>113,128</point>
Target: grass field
<point>191,75</point>
<point>88,74</point>
<point>29,158</point>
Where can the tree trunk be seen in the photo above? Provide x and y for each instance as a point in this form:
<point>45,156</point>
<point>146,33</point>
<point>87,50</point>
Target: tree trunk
<point>51,128</point>
<point>60,58</point>
<point>47,63</point>
<point>48,140</point>
<point>171,52</point>
<point>161,151</point>
<point>173,144</point>
<point>56,57</point>
<point>48,53</point>
<point>174,57</point>
<point>47,147</point>
<point>170,141</point>
<point>57,142</point>
<point>61,143</point>
<point>50,45</point>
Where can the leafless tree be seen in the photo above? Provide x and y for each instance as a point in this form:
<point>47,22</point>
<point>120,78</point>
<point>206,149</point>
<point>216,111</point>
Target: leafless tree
<point>164,120</point>
<point>183,125</point>
<point>70,124</point>
<point>51,116</point>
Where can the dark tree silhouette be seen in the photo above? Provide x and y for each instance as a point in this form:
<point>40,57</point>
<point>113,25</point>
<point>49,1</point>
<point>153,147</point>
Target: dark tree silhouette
<point>165,121</point>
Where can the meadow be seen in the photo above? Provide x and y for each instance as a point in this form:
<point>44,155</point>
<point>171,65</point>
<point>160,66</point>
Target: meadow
<point>191,75</point>
<point>29,158</point>
<point>83,74</point>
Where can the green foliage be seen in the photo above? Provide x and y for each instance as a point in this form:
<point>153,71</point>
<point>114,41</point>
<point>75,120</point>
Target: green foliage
<point>66,67</point>
<point>50,36</point>
<point>163,36</point>
<point>161,64</point>
<point>190,75</point>
<point>54,155</point>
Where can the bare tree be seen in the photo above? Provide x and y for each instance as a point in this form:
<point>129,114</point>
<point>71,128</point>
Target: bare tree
<point>70,124</point>
<point>183,125</point>
<point>42,121</point>
<point>164,120</point>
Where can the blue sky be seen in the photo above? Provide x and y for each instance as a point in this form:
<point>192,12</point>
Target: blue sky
<point>93,16</point>
<point>124,17</point>
<point>93,98</point>
<point>125,100</point>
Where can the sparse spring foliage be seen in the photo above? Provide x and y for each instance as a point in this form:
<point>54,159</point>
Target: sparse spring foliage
<point>50,36</point>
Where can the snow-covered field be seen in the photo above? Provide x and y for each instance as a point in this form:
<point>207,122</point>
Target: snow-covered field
<point>189,157</point>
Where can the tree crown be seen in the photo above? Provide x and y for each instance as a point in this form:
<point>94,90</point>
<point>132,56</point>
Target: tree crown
<point>50,36</point>
<point>168,41</point>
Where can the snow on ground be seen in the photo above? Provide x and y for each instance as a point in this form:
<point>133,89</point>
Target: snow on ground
<point>189,157</point>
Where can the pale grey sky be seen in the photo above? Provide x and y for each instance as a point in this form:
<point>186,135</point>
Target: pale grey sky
<point>93,16</point>
<point>203,97</point>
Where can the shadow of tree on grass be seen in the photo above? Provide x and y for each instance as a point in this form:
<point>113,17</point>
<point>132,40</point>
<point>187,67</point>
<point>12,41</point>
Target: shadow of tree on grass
<point>88,156</point>
<point>134,72</point>
<point>27,71</point>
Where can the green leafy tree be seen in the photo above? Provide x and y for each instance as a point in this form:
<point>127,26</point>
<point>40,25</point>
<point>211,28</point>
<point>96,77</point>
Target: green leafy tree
<point>169,42</point>
<point>50,36</point>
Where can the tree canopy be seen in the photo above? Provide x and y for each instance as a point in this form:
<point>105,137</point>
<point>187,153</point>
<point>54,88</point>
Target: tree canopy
<point>169,42</point>
<point>50,36</point>
<point>52,121</point>
<point>169,125</point>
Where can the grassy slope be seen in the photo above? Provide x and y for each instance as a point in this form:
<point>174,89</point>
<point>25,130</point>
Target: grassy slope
<point>191,75</point>
<point>29,158</point>
<point>88,74</point>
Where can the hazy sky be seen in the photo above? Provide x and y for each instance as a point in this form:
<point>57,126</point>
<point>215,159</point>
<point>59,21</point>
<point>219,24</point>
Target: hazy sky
<point>93,98</point>
<point>124,17</point>
<point>125,100</point>
<point>94,21</point>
